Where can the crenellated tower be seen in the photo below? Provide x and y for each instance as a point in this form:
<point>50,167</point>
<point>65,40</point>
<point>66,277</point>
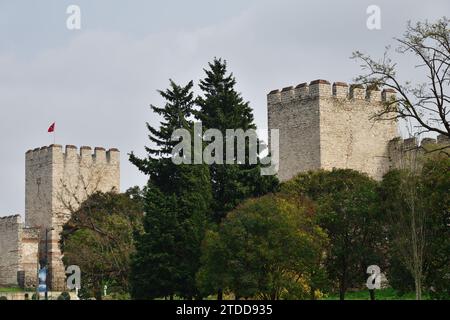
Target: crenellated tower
<point>57,182</point>
<point>330,126</point>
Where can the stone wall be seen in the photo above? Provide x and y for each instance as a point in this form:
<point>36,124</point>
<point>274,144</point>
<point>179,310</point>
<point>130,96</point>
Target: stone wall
<point>296,115</point>
<point>57,183</point>
<point>10,229</point>
<point>29,246</point>
<point>324,126</point>
<point>349,137</point>
<point>409,153</point>
<point>18,253</point>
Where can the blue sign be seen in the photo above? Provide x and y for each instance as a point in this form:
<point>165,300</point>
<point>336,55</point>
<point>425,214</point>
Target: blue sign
<point>42,280</point>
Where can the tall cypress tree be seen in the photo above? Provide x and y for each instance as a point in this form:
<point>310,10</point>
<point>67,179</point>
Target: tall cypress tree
<point>222,107</point>
<point>177,201</point>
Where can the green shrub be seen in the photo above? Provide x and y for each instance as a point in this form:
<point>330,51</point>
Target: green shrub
<point>64,296</point>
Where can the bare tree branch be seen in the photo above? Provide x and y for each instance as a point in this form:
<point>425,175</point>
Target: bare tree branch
<point>426,103</point>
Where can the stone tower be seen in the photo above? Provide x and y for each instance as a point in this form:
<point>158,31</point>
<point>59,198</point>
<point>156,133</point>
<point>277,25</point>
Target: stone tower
<point>329,126</point>
<point>57,183</point>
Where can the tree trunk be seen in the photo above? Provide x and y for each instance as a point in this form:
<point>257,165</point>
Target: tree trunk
<point>342,287</point>
<point>418,285</point>
<point>220,294</point>
<point>341,294</point>
<point>372,294</point>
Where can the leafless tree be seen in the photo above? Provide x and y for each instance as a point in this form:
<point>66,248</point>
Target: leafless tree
<point>428,103</point>
<point>410,221</point>
<point>73,192</point>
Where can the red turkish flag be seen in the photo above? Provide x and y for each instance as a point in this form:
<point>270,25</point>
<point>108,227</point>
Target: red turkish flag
<point>52,127</point>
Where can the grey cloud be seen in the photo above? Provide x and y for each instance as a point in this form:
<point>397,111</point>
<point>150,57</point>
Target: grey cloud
<point>97,84</point>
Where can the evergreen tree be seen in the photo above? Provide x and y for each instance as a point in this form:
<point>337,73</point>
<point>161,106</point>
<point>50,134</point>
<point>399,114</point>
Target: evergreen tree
<point>222,108</point>
<point>176,112</point>
<point>177,200</point>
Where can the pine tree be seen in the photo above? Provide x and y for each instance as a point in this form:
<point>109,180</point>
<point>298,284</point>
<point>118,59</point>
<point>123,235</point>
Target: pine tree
<point>176,112</point>
<point>177,200</point>
<point>222,107</point>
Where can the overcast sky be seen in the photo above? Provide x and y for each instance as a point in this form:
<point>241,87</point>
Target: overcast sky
<point>97,82</point>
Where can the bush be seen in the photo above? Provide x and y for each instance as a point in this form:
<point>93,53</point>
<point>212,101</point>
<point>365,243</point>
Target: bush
<point>64,296</point>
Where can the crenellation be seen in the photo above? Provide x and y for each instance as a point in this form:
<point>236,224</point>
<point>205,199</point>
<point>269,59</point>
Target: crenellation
<point>113,156</point>
<point>327,126</point>
<point>319,88</point>
<point>85,152</point>
<point>100,155</point>
<point>404,153</point>
<point>71,153</point>
<point>323,88</point>
<point>442,139</point>
<point>373,95</point>
<point>56,183</point>
<point>410,143</point>
<point>10,220</point>
<point>287,94</point>
<point>340,90</point>
<point>302,91</point>
<point>388,95</point>
<point>40,156</point>
<point>86,156</point>
<point>274,97</point>
<point>357,91</point>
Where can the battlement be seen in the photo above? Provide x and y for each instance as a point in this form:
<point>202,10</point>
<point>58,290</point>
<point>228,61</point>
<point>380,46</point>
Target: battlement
<point>71,153</point>
<point>323,89</point>
<point>10,221</point>
<point>403,151</point>
<point>413,144</point>
<point>58,179</point>
<point>330,125</point>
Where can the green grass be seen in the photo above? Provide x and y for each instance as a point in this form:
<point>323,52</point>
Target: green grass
<point>384,294</point>
<point>10,290</point>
